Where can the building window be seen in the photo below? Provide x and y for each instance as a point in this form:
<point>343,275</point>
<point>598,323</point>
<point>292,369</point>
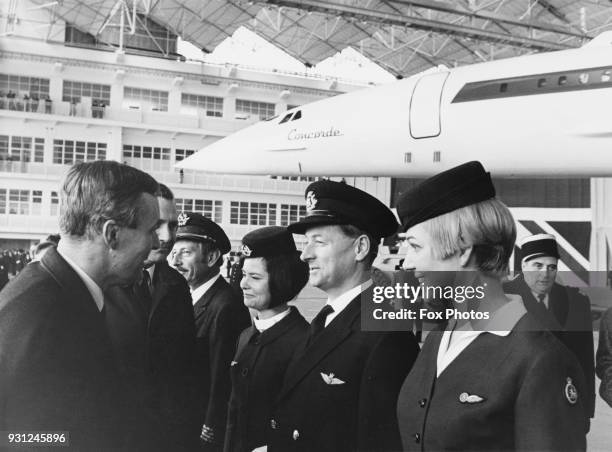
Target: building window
<point>291,213</point>
<point>213,106</point>
<point>296,178</point>
<point>262,109</point>
<point>147,158</point>
<point>19,202</point>
<point>183,154</point>
<point>252,213</point>
<point>67,152</point>
<point>54,211</point>
<point>210,209</point>
<point>20,148</point>
<point>75,90</point>
<point>32,86</point>
<point>2,200</point>
<point>147,99</point>
<point>36,202</point>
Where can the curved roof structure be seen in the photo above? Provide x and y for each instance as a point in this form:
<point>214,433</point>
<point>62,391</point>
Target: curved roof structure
<point>403,36</point>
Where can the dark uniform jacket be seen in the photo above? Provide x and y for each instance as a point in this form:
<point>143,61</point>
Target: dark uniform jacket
<point>257,374</point>
<point>171,356</point>
<point>340,392</point>
<point>57,371</point>
<point>155,348</point>
<point>220,316</point>
<point>500,393</point>
<point>569,318</point>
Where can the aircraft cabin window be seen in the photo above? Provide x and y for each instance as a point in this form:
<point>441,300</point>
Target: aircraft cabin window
<point>286,118</point>
<point>606,76</point>
<point>503,87</point>
<point>541,83</point>
<point>298,115</point>
<point>562,80</point>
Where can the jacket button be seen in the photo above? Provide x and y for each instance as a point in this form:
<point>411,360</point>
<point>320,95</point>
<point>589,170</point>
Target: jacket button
<point>417,438</point>
<point>422,403</point>
<point>296,435</point>
<point>245,371</point>
<point>273,424</point>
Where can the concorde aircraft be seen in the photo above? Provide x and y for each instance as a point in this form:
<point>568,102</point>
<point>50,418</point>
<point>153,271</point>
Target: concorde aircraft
<point>546,114</point>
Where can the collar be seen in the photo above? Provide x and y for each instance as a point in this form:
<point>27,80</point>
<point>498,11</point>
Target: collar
<point>544,300</point>
<point>201,290</point>
<point>264,324</point>
<point>341,302</point>
<point>94,289</point>
<point>501,321</point>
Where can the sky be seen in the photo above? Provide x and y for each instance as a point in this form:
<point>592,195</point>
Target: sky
<point>246,48</point>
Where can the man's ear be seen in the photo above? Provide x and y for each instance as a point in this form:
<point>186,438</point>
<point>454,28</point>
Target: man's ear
<point>110,233</point>
<point>362,247</point>
<point>465,255</point>
<point>213,257</point>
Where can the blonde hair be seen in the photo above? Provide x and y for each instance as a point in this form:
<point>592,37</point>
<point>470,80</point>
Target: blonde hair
<point>487,226</point>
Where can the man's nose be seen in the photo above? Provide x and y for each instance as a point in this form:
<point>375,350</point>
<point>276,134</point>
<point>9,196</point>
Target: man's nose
<point>306,253</point>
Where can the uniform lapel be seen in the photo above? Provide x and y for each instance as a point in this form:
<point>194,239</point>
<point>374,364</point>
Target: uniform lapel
<point>328,340</point>
<point>277,330</point>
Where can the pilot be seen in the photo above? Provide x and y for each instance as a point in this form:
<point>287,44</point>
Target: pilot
<point>340,391</point>
<point>492,379</point>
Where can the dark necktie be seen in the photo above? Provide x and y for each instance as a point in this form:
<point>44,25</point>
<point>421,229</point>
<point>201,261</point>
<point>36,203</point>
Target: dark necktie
<point>541,298</point>
<point>318,323</point>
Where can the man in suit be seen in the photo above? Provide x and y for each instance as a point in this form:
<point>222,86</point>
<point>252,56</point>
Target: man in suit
<point>561,309</point>
<point>57,369</point>
<point>340,390</point>
<point>152,328</point>
<point>220,316</point>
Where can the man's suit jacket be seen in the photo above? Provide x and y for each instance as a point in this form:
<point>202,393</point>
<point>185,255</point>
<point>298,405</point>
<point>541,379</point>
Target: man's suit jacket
<point>171,356</point>
<point>569,318</point>
<point>257,372</point>
<point>57,371</point>
<point>340,392</point>
<point>155,348</point>
<point>220,316</point>
<point>520,398</point>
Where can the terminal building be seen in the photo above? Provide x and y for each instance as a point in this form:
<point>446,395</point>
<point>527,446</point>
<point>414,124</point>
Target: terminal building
<point>69,98</point>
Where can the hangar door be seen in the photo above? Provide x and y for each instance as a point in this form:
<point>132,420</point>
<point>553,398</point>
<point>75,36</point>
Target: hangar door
<point>425,105</point>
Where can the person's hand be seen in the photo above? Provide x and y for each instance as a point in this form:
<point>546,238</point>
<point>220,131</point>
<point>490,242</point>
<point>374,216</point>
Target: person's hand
<point>208,434</point>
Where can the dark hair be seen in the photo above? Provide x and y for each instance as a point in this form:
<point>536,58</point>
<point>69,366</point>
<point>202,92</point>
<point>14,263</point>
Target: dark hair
<point>55,238</point>
<point>353,232</point>
<point>165,192</point>
<point>43,246</point>
<point>287,276</point>
<point>207,246</point>
<point>95,192</point>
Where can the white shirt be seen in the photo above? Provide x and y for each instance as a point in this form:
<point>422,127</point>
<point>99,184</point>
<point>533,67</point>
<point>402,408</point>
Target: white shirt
<point>263,324</point>
<point>92,287</point>
<point>453,342</point>
<point>343,300</point>
<point>201,290</point>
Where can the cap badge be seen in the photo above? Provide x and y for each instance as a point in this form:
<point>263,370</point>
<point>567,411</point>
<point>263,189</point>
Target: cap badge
<point>571,393</point>
<point>182,219</point>
<point>311,201</point>
<point>246,250</point>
